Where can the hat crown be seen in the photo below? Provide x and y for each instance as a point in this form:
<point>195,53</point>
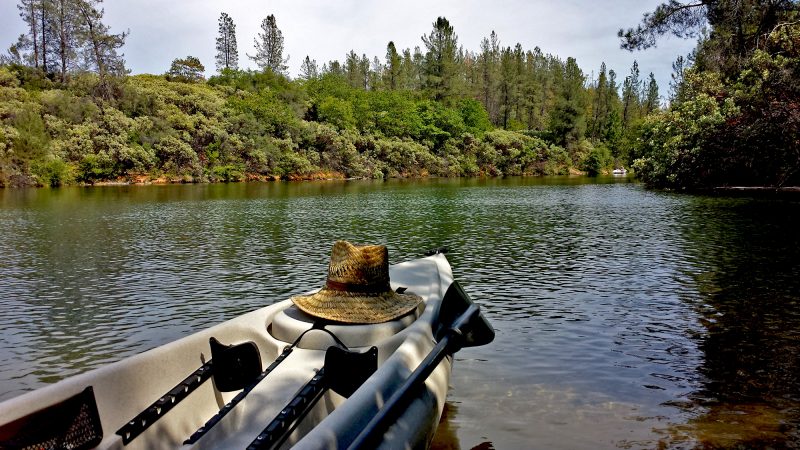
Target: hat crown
<point>358,290</point>
<point>365,266</point>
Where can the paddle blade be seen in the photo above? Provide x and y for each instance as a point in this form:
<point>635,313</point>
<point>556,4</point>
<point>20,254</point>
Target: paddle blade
<point>477,331</point>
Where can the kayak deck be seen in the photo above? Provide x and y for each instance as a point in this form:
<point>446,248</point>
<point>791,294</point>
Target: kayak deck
<point>125,389</point>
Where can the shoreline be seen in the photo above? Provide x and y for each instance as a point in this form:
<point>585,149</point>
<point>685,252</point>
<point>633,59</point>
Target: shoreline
<point>253,178</point>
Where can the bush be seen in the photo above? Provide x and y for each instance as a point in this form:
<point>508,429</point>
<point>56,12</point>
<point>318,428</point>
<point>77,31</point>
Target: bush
<point>336,112</point>
<point>228,173</point>
<point>598,159</point>
<point>177,157</point>
<point>95,167</point>
<point>52,172</point>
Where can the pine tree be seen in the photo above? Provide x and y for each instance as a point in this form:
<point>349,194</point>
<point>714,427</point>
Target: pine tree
<point>31,14</point>
<point>187,70</point>
<point>489,61</point>
<point>100,46</point>
<point>441,62</point>
<point>227,50</point>
<point>567,121</point>
<point>67,35</point>
<point>506,86</point>
<point>376,75</point>
<point>64,29</point>
<point>308,70</point>
<point>351,69</point>
<point>393,67</point>
<point>651,102</point>
<point>631,88</point>
<point>600,104</point>
<point>363,71</point>
<point>269,47</point>
<point>418,76</point>
<point>676,80</point>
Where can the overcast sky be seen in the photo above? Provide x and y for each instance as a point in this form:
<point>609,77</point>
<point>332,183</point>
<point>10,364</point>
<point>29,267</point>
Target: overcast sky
<point>162,30</point>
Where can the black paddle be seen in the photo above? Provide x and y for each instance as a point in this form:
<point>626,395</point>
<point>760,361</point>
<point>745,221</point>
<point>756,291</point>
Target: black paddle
<point>469,329</point>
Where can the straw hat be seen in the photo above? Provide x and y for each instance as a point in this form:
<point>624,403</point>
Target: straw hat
<point>357,290</point>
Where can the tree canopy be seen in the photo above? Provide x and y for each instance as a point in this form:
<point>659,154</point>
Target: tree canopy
<point>734,116</point>
<point>227,51</point>
<point>269,47</point>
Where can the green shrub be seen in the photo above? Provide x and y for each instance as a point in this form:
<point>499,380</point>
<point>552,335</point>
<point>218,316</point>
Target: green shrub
<point>95,167</point>
<point>598,159</point>
<point>336,112</point>
<point>228,173</point>
<point>177,157</point>
<point>52,172</point>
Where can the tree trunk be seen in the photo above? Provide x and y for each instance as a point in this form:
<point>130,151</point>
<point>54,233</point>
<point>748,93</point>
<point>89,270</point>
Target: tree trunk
<point>35,33</point>
<point>63,35</point>
<point>44,38</point>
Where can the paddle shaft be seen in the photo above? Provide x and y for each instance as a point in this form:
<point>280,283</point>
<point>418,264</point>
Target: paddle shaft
<point>386,416</point>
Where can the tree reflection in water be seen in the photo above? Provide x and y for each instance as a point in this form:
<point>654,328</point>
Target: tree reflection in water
<point>748,253</point>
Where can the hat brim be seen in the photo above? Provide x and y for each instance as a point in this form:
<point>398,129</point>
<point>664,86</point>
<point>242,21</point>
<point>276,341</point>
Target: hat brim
<point>350,307</point>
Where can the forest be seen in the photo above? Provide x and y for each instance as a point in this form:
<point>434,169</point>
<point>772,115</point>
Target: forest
<point>70,112</point>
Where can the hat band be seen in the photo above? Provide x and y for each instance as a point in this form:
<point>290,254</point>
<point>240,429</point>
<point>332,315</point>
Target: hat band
<point>360,288</point>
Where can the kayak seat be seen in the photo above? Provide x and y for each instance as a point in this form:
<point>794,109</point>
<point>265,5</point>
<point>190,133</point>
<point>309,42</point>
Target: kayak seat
<point>290,323</point>
<point>235,366</point>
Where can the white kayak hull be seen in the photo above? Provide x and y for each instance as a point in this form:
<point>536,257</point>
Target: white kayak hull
<point>124,389</point>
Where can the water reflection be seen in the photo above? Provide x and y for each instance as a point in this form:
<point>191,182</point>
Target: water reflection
<point>624,318</point>
<point>748,254</point>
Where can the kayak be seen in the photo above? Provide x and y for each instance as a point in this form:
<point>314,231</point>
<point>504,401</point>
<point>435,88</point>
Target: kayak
<point>275,377</point>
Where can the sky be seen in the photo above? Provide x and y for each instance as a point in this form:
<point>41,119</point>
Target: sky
<point>162,30</point>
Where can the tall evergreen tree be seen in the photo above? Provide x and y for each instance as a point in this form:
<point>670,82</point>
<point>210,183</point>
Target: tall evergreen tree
<point>64,35</point>
<point>352,69</point>
<point>100,49</point>
<point>227,50</point>
<point>269,47</point>
<point>393,67</point>
<point>676,80</point>
<point>600,105</point>
<point>441,61</point>
<point>568,120</point>
<point>308,70</point>
<point>507,86</point>
<point>31,13</point>
<point>65,26</point>
<point>489,61</point>
<point>376,73</point>
<point>612,128</point>
<point>418,75</point>
<point>651,102</point>
<point>631,88</point>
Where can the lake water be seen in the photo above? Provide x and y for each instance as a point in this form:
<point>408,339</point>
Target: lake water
<point>625,318</point>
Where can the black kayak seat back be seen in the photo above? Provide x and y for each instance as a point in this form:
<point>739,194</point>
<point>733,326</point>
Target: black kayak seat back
<point>71,424</point>
<point>235,366</point>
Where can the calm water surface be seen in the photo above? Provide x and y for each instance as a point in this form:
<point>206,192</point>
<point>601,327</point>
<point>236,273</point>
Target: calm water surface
<point>625,318</point>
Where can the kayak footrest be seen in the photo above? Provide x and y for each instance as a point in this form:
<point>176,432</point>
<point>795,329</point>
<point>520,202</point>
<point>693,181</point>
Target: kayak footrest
<point>143,420</point>
<point>281,427</point>
<point>238,398</point>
